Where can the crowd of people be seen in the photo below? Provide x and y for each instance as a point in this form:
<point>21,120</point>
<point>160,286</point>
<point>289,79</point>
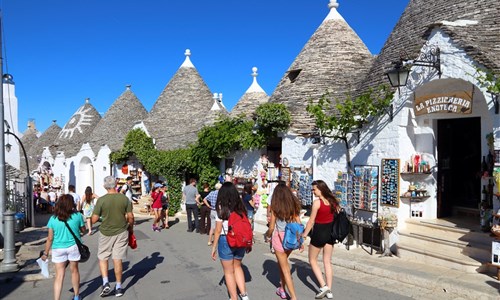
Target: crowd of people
<point>114,211</point>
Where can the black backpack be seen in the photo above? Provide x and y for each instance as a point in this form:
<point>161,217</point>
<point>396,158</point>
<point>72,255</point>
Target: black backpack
<point>341,226</point>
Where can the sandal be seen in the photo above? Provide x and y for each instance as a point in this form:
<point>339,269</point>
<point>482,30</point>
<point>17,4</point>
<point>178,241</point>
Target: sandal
<point>281,292</point>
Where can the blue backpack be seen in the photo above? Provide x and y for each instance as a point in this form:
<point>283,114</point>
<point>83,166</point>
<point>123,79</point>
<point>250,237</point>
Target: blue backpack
<point>293,236</point>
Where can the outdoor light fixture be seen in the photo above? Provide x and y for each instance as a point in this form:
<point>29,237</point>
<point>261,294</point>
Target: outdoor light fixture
<point>494,98</point>
<point>398,75</point>
<point>8,147</point>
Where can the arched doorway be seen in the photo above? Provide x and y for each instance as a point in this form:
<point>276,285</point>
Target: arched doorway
<point>85,175</point>
<point>460,116</point>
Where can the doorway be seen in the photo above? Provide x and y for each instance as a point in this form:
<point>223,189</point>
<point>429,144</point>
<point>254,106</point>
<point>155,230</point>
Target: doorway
<point>459,165</point>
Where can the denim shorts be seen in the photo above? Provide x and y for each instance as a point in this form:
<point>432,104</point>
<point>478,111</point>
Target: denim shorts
<point>228,253</point>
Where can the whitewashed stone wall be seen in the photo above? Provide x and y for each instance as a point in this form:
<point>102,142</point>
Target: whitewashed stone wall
<point>405,135</point>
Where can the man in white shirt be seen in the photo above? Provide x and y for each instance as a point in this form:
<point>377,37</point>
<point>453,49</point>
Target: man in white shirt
<point>76,197</point>
<point>127,190</point>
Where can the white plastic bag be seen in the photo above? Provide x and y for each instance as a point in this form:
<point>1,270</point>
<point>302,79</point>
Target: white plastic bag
<point>44,266</point>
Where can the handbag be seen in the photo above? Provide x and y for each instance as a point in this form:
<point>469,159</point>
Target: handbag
<point>132,241</point>
<point>84,250</point>
<point>341,226</point>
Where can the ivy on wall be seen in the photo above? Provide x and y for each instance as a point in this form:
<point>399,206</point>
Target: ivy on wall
<point>215,142</point>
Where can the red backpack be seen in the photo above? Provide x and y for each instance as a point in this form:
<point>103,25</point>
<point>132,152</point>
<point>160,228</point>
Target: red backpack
<point>239,234</point>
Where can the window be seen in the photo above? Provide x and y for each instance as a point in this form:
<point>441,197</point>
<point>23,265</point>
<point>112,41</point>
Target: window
<point>293,74</point>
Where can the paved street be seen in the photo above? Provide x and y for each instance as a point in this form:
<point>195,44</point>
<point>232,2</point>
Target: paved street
<point>176,265</point>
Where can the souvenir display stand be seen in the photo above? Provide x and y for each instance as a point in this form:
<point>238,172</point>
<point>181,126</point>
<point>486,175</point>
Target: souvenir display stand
<point>358,194</point>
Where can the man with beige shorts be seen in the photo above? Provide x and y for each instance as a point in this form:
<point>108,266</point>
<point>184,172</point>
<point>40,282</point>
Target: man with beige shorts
<point>117,222</point>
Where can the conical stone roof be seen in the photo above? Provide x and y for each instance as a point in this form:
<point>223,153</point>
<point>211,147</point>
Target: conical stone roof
<point>253,97</point>
<point>181,110</point>
<point>29,139</point>
<point>47,139</point>
<point>123,114</point>
<point>331,61</point>
<point>78,129</point>
<point>474,25</point>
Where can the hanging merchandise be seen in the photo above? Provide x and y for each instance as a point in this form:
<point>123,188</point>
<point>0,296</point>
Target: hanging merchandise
<point>305,188</point>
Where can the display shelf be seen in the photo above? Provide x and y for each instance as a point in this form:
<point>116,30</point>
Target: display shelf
<point>415,198</point>
<point>415,173</point>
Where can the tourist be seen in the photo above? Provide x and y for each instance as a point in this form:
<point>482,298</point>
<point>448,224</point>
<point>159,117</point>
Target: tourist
<point>204,210</point>
<point>165,203</point>
<point>247,198</point>
<point>157,196</point>
<point>87,204</point>
<point>228,201</point>
<point>211,199</point>
<point>63,245</point>
<point>126,189</point>
<point>191,197</point>
<point>76,197</point>
<point>285,208</point>
<point>117,223</point>
<point>321,222</point>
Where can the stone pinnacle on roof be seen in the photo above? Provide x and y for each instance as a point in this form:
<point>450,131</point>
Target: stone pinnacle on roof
<point>330,62</point>
<point>255,87</point>
<point>253,97</point>
<point>334,14</point>
<point>184,107</point>
<point>187,62</point>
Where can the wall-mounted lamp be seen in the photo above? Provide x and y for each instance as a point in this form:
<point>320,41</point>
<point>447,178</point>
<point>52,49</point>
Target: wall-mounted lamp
<point>494,98</point>
<point>8,147</point>
<point>255,127</point>
<point>398,75</point>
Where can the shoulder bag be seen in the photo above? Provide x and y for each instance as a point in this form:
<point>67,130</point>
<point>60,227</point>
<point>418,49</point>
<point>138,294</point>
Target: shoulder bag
<point>84,250</point>
<point>341,226</point>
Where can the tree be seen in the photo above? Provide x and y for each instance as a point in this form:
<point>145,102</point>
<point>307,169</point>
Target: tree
<point>338,121</point>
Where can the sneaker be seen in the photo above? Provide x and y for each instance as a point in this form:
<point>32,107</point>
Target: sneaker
<point>322,292</point>
<point>106,289</point>
<point>329,295</point>
<point>281,292</point>
<point>118,292</point>
<point>244,297</point>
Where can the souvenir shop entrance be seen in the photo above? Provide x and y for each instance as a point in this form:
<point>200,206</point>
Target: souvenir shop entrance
<point>459,166</point>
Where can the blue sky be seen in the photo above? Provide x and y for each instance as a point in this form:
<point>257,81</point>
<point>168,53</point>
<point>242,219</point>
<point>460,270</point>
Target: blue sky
<point>61,52</point>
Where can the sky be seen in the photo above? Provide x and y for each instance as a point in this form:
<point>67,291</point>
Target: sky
<point>61,52</point>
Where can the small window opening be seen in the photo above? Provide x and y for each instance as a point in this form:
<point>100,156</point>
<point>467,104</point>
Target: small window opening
<point>292,75</point>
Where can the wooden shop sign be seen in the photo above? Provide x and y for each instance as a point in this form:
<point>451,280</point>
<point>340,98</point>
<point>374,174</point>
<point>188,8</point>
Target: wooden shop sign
<point>447,95</point>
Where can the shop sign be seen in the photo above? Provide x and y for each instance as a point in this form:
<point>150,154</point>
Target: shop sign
<point>448,95</point>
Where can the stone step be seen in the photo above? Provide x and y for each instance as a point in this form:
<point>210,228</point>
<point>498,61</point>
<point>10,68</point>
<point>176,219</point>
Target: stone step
<point>414,251</point>
<point>444,230</point>
<point>442,243</point>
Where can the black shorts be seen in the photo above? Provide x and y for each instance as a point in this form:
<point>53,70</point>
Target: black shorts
<point>321,235</point>
<point>164,206</point>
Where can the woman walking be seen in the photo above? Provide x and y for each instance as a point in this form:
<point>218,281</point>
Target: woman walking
<point>157,195</point>
<point>165,202</point>
<point>62,243</point>
<point>228,201</point>
<point>86,205</point>
<point>320,221</point>
<point>205,210</point>
<point>247,198</point>
<point>285,208</point>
